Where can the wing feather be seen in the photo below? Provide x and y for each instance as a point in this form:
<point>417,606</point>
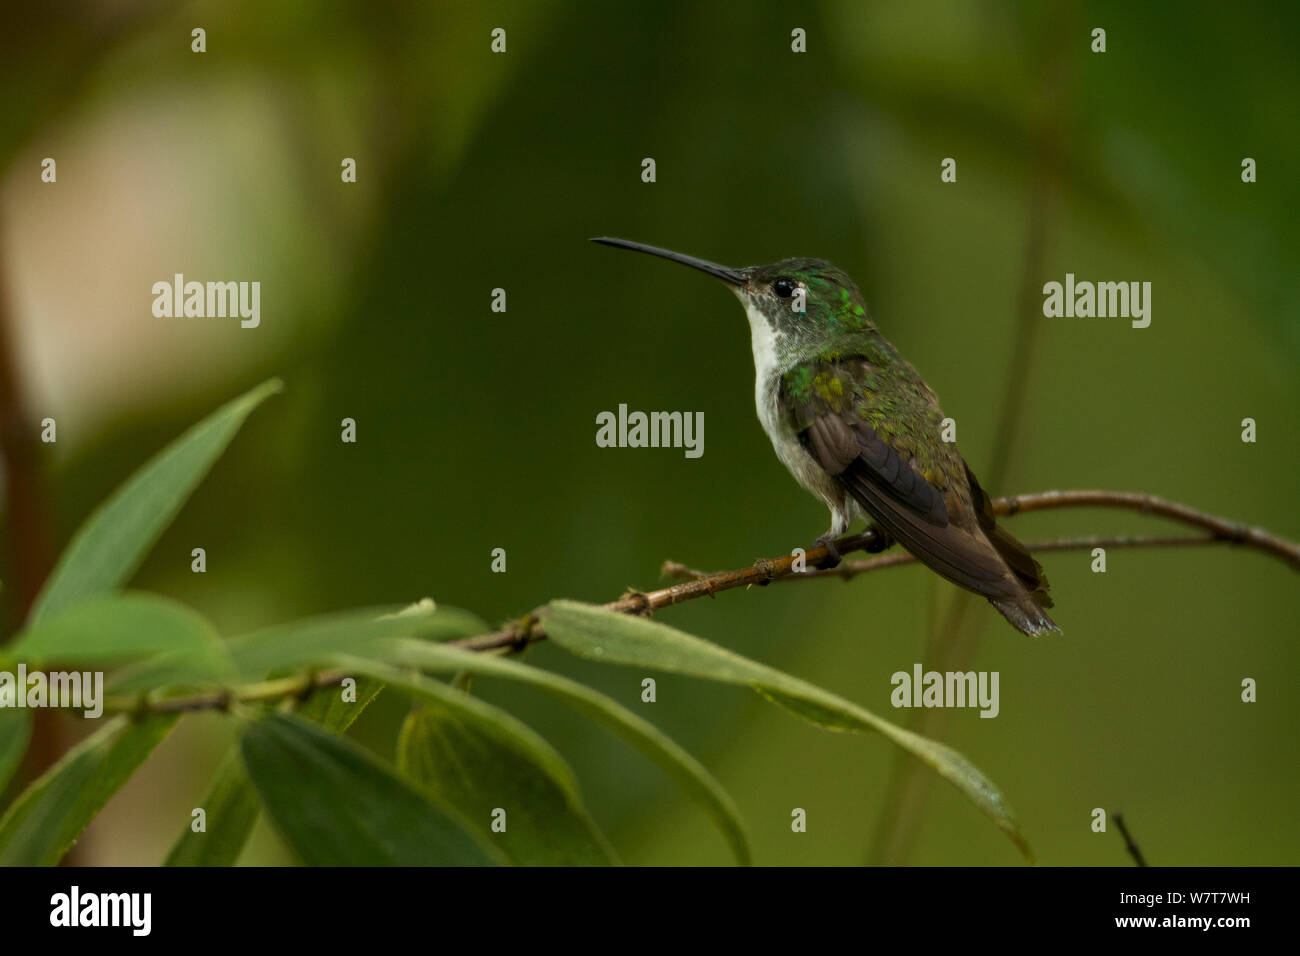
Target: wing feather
<point>888,487</point>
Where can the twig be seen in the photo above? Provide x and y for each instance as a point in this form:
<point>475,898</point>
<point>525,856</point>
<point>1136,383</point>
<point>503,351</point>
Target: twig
<point>851,569</point>
<point>1128,840</point>
<point>767,570</point>
<point>531,628</point>
<point>1224,529</point>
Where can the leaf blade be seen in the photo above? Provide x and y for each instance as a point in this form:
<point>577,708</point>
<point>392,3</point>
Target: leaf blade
<point>15,732</point>
<point>231,803</point>
<point>685,770</point>
<point>230,809</point>
<point>113,541</point>
<point>231,791</point>
<point>600,634</point>
<point>50,815</point>
<point>334,804</point>
<point>477,758</point>
<point>316,640</point>
<point>116,627</point>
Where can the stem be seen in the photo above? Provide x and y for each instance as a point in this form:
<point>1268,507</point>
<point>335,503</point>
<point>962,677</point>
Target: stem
<point>1129,845</point>
<point>1224,529</point>
<point>530,629</point>
<point>851,569</point>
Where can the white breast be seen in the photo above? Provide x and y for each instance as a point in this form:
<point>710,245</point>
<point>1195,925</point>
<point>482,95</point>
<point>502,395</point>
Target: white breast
<point>768,368</point>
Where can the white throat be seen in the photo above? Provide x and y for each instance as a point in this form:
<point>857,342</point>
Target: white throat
<point>766,343</point>
<point>767,372</point>
<point>771,360</point>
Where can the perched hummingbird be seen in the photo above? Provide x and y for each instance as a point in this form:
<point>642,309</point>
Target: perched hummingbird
<point>858,427</point>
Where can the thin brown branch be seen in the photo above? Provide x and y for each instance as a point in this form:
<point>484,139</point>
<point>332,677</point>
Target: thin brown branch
<point>1224,529</point>
<point>851,569</point>
<point>767,570</point>
<point>530,629</point>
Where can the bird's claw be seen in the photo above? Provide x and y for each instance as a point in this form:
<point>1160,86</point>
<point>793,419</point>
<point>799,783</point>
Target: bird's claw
<point>832,558</point>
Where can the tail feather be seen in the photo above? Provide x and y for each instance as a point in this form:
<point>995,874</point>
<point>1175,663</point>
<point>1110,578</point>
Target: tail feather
<point>1023,564</point>
<point>1025,610</point>
<point>1017,556</point>
<point>1025,615</point>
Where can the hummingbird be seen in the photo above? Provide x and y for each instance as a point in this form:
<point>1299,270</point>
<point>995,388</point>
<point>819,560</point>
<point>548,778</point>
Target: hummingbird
<point>857,426</point>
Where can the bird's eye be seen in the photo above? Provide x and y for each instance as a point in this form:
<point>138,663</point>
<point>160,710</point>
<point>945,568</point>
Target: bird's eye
<point>784,287</point>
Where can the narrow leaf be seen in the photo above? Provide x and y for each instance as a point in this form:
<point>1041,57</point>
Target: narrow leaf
<point>49,816</point>
<point>314,641</point>
<point>478,758</point>
<point>230,809</point>
<point>688,772</point>
<point>336,805</point>
<point>604,635</point>
<point>108,548</point>
<point>231,803</point>
<point>15,732</point>
<point>115,628</point>
<point>328,707</point>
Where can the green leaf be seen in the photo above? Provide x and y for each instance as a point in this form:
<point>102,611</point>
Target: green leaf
<point>476,758</point>
<point>328,708</point>
<point>48,817</point>
<point>336,805</point>
<point>314,641</point>
<point>120,627</point>
<point>231,803</point>
<point>15,732</point>
<point>688,772</point>
<point>230,810</point>
<point>604,635</point>
<point>108,548</point>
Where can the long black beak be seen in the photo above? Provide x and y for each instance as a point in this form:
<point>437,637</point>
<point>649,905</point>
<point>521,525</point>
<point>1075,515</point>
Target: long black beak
<point>725,273</point>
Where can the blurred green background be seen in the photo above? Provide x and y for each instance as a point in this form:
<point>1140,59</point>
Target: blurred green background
<point>476,429</point>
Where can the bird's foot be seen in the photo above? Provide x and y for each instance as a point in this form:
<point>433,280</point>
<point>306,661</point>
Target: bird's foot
<point>832,558</point>
<point>881,542</point>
